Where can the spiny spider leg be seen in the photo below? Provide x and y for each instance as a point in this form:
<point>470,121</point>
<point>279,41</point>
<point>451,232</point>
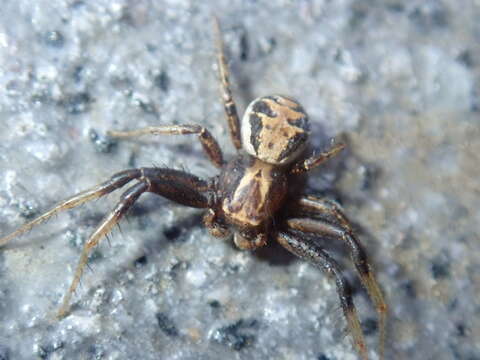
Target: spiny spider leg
<point>309,251</point>
<point>209,144</point>
<point>127,200</point>
<point>179,186</point>
<point>316,160</point>
<point>227,98</point>
<point>341,229</point>
<point>116,181</point>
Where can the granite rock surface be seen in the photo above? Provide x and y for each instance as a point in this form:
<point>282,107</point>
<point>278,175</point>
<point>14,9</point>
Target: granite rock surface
<point>398,81</point>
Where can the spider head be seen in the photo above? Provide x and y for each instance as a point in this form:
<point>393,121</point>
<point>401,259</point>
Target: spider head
<point>275,129</point>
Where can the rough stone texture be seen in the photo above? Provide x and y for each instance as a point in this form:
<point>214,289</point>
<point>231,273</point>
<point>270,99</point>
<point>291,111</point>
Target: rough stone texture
<point>398,80</point>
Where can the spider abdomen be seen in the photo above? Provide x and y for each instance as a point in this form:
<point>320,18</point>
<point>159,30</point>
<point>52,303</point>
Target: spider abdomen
<point>275,129</point>
<point>251,191</point>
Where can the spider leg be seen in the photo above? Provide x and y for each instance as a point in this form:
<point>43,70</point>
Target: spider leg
<point>307,250</point>
<point>127,199</point>
<point>116,181</point>
<point>228,102</point>
<point>209,144</point>
<point>316,160</point>
<point>181,187</point>
<point>326,218</point>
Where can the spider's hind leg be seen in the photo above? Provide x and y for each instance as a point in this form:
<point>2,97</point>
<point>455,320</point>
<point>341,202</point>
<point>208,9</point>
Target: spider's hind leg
<point>324,217</point>
<point>307,250</point>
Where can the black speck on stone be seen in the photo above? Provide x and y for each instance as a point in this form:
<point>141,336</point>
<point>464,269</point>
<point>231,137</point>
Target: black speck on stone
<point>28,209</point>
<point>473,357</point>
<point>166,325</point>
<point>96,351</point>
<point>475,105</point>
<point>77,103</point>
<point>214,304</point>
<point>77,73</point>
<point>215,307</point>
<point>358,16</point>
<point>439,17</point>
<point>461,330</point>
<point>429,15</point>
<point>238,335</point>
<point>409,288</point>
<point>370,176</point>
<point>453,305</point>
<point>244,47</point>
<point>41,97</point>
<point>151,47</point>
<point>54,39</point>
<point>323,357</point>
<point>440,267</point>
<point>172,233</point>
<point>396,7</point>
<point>272,44</point>
<point>146,106</point>
<point>132,159</point>
<point>141,261</point>
<point>103,144</point>
<point>232,268</point>
<point>4,353</point>
<point>466,58</point>
<point>44,351</point>
<point>369,326</point>
<point>177,268</point>
<point>162,81</point>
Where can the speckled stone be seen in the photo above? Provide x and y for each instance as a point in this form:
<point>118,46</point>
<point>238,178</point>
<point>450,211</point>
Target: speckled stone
<point>398,81</point>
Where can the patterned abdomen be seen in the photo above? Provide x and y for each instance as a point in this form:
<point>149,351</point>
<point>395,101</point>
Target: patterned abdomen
<point>275,129</point>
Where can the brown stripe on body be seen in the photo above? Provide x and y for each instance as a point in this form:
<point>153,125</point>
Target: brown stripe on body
<point>258,193</point>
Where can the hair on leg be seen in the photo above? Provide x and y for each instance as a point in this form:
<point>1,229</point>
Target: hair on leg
<point>316,160</point>
<point>115,182</point>
<point>326,218</point>
<point>126,201</point>
<point>227,98</point>
<point>307,250</point>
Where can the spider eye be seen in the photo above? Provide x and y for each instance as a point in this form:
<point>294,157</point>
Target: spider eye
<point>275,129</point>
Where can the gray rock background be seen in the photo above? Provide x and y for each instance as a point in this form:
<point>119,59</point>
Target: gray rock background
<point>398,80</point>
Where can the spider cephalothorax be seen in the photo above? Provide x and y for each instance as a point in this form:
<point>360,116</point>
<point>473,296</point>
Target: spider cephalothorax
<point>249,192</point>
<point>252,191</point>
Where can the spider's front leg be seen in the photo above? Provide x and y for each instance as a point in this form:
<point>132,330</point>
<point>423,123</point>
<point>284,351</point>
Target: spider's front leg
<point>115,182</point>
<point>324,217</point>
<point>179,186</point>
<point>209,144</point>
<point>227,98</point>
<point>307,250</point>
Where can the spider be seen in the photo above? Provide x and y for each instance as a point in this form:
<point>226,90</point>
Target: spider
<point>255,197</point>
